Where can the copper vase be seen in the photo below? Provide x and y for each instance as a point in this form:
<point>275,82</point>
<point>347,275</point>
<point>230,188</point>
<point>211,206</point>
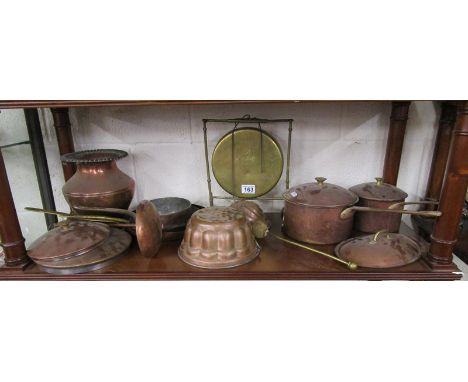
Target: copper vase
<point>98,182</point>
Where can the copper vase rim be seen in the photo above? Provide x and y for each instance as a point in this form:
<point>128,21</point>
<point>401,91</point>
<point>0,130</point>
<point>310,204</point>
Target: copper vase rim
<point>93,156</point>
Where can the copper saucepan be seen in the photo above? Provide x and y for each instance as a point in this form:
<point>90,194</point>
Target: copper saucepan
<point>322,213</point>
<point>382,196</point>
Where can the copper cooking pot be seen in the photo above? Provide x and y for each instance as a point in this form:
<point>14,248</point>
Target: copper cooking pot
<point>312,212</point>
<point>377,195</point>
<point>322,213</point>
<point>382,196</point>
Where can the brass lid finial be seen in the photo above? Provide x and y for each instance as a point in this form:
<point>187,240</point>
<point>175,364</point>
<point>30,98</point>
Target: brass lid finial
<point>320,180</point>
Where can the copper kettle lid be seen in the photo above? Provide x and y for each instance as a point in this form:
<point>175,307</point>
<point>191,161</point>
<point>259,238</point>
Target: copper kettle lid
<point>320,194</point>
<point>381,250</point>
<point>379,190</point>
<point>68,239</point>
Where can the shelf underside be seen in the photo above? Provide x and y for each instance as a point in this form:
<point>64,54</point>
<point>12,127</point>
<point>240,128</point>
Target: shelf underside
<point>277,261</point>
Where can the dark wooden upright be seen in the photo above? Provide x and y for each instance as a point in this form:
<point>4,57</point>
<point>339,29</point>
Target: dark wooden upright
<point>396,136</point>
<point>64,138</point>
<point>10,231</point>
<point>448,115</point>
<point>446,228</point>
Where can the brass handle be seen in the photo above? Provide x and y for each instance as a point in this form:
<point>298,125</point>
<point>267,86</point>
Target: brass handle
<point>128,213</point>
<point>401,204</point>
<point>379,181</point>
<point>320,180</point>
<point>377,234</point>
<point>349,212</point>
<point>96,218</point>
<point>352,266</point>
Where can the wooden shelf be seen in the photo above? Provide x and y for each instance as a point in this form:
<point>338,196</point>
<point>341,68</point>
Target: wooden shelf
<point>91,103</point>
<point>277,261</point>
<point>78,103</point>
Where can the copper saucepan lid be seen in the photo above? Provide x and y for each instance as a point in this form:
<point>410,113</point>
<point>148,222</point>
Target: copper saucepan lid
<point>379,190</point>
<point>97,258</point>
<point>67,240</point>
<point>381,250</point>
<point>320,195</point>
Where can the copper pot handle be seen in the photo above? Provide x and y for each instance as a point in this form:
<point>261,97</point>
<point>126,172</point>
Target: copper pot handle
<point>128,213</point>
<point>352,266</point>
<point>401,204</point>
<point>96,218</point>
<point>348,212</point>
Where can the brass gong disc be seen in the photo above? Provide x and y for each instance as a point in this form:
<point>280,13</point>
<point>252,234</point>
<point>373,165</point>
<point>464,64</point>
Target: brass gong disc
<point>247,162</point>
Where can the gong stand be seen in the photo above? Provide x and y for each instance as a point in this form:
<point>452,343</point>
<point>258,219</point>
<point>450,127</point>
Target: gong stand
<point>245,121</point>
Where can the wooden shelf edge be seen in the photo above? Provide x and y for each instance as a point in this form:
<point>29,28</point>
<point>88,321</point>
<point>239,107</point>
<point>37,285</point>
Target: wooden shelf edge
<point>277,261</point>
<point>6,104</point>
<point>80,103</point>
<point>167,276</point>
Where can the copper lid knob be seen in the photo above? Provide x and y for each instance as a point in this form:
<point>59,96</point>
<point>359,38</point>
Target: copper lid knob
<point>379,181</point>
<point>320,180</point>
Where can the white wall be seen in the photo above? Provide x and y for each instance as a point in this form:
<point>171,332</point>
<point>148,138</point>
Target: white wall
<point>344,142</point>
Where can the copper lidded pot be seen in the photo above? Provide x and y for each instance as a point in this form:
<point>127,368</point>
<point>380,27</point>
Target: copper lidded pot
<point>98,182</point>
<point>312,212</point>
<point>377,195</point>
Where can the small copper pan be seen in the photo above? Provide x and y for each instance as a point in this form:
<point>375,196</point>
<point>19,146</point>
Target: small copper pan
<point>147,225</point>
<point>148,229</point>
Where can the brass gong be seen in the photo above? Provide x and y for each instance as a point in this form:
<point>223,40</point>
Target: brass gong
<point>247,162</point>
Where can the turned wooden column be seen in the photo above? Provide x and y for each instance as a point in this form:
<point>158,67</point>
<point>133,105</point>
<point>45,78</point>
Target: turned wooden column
<point>448,115</point>
<point>396,136</point>
<point>64,138</point>
<point>446,228</point>
<point>10,230</point>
